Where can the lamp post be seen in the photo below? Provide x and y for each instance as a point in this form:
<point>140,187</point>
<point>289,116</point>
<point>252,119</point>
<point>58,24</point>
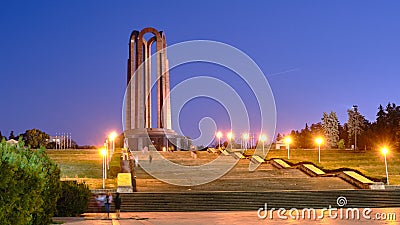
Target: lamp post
<point>319,141</point>
<point>385,150</point>
<point>230,136</point>
<point>245,139</point>
<point>288,140</point>
<point>103,153</point>
<point>106,147</point>
<point>263,138</point>
<point>219,136</point>
<point>112,137</point>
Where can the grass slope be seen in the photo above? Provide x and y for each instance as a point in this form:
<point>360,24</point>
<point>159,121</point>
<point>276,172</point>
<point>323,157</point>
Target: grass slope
<point>84,166</point>
<point>370,163</point>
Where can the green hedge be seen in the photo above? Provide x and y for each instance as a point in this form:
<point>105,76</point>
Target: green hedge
<point>74,199</point>
<point>29,185</point>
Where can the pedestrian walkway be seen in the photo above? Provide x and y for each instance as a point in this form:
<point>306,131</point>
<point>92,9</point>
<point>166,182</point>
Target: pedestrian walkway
<point>237,217</point>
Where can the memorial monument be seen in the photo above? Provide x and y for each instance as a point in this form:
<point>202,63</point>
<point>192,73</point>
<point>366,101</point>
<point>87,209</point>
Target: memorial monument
<point>139,131</point>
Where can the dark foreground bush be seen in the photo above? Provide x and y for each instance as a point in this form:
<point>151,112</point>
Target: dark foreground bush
<point>29,185</point>
<point>74,199</point>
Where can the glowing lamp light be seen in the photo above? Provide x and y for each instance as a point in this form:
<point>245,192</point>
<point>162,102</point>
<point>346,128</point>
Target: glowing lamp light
<point>229,135</point>
<point>263,137</point>
<point>103,152</point>
<point>219,134</point>
<point>384,150</point>
<point>112,135</point>
<point>288,140</point>
<point>319,140</point>
<point>246,136</point>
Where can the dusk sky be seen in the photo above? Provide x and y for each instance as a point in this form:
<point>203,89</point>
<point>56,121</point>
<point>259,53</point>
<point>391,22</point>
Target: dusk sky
<point>63,63</point>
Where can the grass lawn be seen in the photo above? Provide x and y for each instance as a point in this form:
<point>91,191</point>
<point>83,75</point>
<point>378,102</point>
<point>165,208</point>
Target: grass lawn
<point>84,166</point>
<point>370,163</point>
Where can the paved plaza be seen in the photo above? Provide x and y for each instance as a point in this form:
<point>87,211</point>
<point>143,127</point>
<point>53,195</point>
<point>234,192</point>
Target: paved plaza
<point>232,217</point>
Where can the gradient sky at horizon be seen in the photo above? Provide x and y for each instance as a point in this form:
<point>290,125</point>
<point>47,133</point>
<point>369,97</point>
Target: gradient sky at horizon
<point>63,63</point>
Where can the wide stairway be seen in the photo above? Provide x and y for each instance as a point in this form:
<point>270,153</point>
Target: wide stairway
<point>241,189</point>
<point>239,178</point>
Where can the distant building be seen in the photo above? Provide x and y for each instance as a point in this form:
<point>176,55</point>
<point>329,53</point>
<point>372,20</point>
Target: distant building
<point>12,142</point>
<point>281,145</point>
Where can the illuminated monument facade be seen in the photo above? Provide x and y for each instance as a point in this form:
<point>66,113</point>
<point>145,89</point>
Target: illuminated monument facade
<point>139,132</point>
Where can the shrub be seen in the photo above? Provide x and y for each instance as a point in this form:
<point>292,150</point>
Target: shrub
<point>341,144</point>
<point>50,193</point>
<point>74,199</point>
<point>29,185</point>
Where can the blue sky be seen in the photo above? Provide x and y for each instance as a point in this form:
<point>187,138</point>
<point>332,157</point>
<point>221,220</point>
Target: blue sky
<point>63,63</point>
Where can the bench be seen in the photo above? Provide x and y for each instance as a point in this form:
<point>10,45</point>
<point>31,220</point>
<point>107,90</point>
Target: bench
<point>239,155</point>
<point>257,159</point>
<point>356,179</point>
<point>279,163</point>
<point>225,152</point>
<point>311,170</point>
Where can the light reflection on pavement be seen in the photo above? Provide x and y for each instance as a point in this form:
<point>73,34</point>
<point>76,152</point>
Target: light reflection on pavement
<point>220,217</point>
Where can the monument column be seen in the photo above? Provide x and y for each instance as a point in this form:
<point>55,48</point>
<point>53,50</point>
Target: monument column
<point>139,131</point>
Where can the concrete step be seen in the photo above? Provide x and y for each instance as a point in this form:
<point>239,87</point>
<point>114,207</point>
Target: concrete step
<point>211,201</point>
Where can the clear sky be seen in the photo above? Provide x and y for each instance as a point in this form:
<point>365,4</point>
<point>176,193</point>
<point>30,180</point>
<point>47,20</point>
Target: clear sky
<point>63,63</point>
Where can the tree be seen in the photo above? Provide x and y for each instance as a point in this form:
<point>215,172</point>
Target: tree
<point>1,136</point>
<point>397,137</point>
<point>341,144</point>
<point>316,129</point>
<point>355,124</point>
<point>330,125</point>
<point>305,139</point>
<point>344,134</point>
<point>119,141</point>
<point>36,138</point>
<point>74,199</point>
<point>387,125</point>
<point>295,136</point>
<point>50,192</point>
<point>29,185</point>
<point>11,135</point>
<point>278,137</point>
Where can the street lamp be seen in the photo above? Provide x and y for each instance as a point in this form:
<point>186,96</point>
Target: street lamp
<point>288,140</point>
<point>245,138</point>
<point>103,153</point>
<point>263,138</point>
<point>230,136</point>
<point>219,136</point>
<point>112,137</point>
<point>385,150</point>
<point>319,141</point>
<point>107,149</point>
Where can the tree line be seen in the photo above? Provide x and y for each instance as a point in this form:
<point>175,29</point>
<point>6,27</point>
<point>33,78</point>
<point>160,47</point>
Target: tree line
<point>357,132</point>
<point>35,138</point>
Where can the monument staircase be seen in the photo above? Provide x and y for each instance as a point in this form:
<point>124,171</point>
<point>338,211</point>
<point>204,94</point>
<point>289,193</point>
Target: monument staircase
<point>241,189</point>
